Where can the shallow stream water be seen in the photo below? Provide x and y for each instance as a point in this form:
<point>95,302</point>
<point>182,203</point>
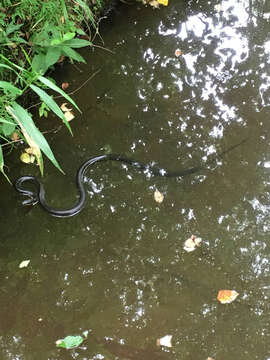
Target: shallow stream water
<point>118,269</point>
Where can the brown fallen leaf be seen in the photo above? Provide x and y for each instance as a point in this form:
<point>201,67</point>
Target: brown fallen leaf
<point>65,85</point>
<point>64,107</point>
<point>227,296</point>
<point>69,115</point>
<point>178,52</point>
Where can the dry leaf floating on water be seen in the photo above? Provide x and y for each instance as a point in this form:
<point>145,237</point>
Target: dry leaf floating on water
<point>227,296</point>
<point>165,341</point>
<point>158,196</point>
<point>178,52</point>
<point>67,112</point>
<point>192,243</point>
<point>64,107</point>
<point>24,264</point>
<point>69,115</point>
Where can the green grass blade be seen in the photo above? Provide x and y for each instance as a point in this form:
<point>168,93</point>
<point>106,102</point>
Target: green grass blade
<point>6,121</point>
<point>77,43</point>
<point>72,54</point>
<point>88,12</point>
<point>13,90</point>
<point>64,10</point>
<point>54,87</point>
<point>2,164</point>
<point>48,100</point>
<point>24,120</point>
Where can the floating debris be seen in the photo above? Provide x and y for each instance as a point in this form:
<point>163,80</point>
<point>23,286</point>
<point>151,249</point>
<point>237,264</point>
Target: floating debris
<point>192,243</point>
<point>158,196</point>
<point>178,52</point>
<point>227,296</point>
<point>165,341</point>
<point>24,264</point>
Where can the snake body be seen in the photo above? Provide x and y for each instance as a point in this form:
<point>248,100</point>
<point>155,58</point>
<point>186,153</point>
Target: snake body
<point>38,196</point>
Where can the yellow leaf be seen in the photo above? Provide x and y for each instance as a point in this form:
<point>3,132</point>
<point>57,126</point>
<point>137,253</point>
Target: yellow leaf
<point>36,150</point>
<point>69,115</point>
<point>163,2</point>
<point>27,158</point>
<point>64,107</point>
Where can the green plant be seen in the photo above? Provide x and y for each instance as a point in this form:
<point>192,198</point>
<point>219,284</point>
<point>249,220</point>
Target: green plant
<point>50,44</point>
<point>29,46</point>
<point>20,118</point>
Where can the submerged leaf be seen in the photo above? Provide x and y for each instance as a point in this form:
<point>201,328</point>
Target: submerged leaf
<point>64,85</point>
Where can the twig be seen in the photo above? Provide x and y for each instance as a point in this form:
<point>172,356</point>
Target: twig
<point>82,85</point>
<point>70,93</point>
<point>55,130</point>
<point>103,48</point>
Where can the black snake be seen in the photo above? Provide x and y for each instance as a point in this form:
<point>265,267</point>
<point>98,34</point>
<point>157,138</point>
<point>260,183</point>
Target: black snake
<point>38,196</point>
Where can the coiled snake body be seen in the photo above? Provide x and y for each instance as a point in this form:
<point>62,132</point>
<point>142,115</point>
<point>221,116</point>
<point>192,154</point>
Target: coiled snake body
<point>38,196</point>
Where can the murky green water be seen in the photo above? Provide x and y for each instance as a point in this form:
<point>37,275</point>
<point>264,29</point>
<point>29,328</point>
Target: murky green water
<point>119,269</point>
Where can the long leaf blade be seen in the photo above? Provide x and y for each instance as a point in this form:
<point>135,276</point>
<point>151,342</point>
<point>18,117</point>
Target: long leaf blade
<point>54,87</point>
<point>24,120</point>
<point>2,164</point>
<point>77,43</point>
<point>51,104</point>
<point>72,54</point>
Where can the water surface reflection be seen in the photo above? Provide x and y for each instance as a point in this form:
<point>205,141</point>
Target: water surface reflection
<point>119,268</point>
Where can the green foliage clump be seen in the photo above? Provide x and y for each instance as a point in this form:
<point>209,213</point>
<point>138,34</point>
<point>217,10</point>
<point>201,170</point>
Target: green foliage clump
<point>34,35</point>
